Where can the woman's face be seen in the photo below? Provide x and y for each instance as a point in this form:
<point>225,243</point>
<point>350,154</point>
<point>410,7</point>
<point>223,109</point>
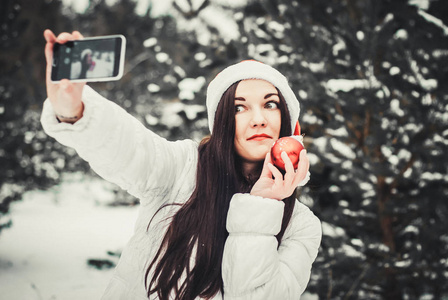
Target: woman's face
<point>257,119</point>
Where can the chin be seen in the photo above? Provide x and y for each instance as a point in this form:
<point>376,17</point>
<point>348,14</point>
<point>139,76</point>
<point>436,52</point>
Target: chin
<point>260,156</point>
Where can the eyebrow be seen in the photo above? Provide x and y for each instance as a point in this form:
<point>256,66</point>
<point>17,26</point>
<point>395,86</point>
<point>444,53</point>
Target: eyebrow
<point>265,97</point>
<point>270,95</point>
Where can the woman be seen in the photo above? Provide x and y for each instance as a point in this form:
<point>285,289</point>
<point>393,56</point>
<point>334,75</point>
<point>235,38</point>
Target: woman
<point>86,63</point>
<point>216,221</point>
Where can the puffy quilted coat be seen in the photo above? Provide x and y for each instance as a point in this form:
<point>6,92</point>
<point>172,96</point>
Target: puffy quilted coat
<point>121,150</point>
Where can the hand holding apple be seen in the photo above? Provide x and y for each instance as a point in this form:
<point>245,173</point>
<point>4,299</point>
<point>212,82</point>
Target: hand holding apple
<point>292,146</point>
<point>278,184</point>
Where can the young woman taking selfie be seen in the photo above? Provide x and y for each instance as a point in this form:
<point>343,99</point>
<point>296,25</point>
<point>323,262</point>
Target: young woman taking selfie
<point>216,220</point>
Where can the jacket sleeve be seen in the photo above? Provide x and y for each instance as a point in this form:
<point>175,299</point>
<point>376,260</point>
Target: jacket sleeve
<point>253,267</point>
<point>119,148</point>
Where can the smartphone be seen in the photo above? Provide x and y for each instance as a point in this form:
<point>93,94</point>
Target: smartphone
<point>90,59</point>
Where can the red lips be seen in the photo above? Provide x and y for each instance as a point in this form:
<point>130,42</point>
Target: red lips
<point>261,136</point>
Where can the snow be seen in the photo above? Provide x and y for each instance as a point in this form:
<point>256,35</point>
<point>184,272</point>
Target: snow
<point>153,88</point>
<point>44,254</point>
<point>311,119</point>
<point>434,176</point>
<point>151,120</point>
<point>332,230</point>
<point>434,20</point>
<point>395,107</point>
<point>186,6</point>
<point>163,57</point>
<point>219,19</point>
<point>401,34</point>
<point>339,132</point>
<point>403,263</point>
<point>334,189</point>
<point>148,43</point>
<point>342,149</point>
<point>426,84</point>
<point>321,143</point>
<point>157,7</point>
<point>389,17</point>
<point>171,117</point>
<point>340,45</point>
<point>366,186</point>
<point>422,4</point>
<point>360,35</point>
<point>200,56</point>
<point>79,6</point>
<point>394,71</point>
<point>231,3</point>
<point>189,86</point>
<point>411,229</point>
<point>352,252</point>
<point>315,67</point>
<point>346,85</point>
<point>303,94</point>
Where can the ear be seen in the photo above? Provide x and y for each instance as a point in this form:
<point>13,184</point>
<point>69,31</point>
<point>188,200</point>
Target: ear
<point>297,130</point>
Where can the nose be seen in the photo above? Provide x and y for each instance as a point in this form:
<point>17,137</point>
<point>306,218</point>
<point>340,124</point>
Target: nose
<point>258,119</point>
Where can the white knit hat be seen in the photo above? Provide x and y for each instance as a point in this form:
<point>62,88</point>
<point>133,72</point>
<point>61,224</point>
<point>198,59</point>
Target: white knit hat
<point>85,52</point>
<point>250,69</point>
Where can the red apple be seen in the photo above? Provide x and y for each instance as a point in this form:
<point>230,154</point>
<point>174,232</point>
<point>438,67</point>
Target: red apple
<point>291,146</point>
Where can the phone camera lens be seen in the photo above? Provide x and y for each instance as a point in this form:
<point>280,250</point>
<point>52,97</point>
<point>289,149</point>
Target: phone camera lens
<point>66,60</point>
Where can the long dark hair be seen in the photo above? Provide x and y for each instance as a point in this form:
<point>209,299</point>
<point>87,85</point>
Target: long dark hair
<point>198,229</point>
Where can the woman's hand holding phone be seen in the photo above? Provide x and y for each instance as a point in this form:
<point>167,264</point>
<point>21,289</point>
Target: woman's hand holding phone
<point>64,96</point>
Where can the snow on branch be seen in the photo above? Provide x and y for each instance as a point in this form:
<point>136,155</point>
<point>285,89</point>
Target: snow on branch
<point>346,85</point>
<point>434,20</point>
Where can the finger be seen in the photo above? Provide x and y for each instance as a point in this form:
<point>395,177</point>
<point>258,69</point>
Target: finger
<point>67,87</point>
<point>289,168</point>
<point>51,39</point>
<point>64,37</point>
<point>77,35</point>
<point>278,176</point>
<point>287,161</point>
<point>302,170</point>
<point>305,180</point>
<point>49,36</point>
<point>265,172</point>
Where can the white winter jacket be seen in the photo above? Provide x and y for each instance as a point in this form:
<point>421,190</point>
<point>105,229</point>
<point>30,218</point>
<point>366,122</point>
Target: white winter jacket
<point>121,150</point>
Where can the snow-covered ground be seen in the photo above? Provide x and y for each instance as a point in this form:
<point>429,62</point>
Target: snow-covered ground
<point>44,254</point>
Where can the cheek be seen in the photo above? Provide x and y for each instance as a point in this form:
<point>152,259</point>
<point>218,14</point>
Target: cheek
<point>276,121</point>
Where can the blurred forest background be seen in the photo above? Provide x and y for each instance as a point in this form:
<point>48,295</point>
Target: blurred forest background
<point>371,76</point>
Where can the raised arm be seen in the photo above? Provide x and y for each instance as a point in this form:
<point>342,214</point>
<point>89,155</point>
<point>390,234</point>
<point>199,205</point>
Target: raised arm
<point>116,145</point>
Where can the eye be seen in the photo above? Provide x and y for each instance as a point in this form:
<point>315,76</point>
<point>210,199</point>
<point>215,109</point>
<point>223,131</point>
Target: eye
<point>272,105</point>
<point>239,108</point>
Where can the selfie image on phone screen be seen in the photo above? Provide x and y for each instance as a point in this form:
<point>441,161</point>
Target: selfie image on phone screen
<point>90,59</point>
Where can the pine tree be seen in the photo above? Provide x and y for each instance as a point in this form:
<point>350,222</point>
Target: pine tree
<point>370,76</point>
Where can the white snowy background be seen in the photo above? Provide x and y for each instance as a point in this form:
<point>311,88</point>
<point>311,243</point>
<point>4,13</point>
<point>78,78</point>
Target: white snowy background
<point>44,254</point>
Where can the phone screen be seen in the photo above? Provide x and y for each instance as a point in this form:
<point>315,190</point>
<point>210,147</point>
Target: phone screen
<point>90,59</point>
